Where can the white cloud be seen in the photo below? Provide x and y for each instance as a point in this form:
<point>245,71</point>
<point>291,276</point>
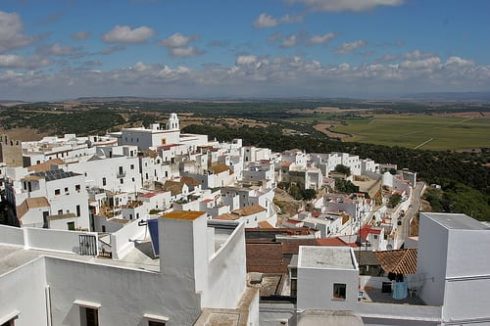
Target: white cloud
<point>289,41</point>
<point>250,75</point>
<point>189,51</point>
<point>458,61</point>
<point>178,45</point>
<point>17,61</point>
<point>321,39</point>
<point>126,34</point>
<point>57,49</point>
<point>348,47</point>
<point>426,63</point>
<point>346,5</point>
<point>266,21</point>
<point>246,59</point>
<point>178,40</point>
<point>11,32</point>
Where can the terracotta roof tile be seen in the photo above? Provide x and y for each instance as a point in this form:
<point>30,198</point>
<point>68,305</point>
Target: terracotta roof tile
<point>249,210</point>
<point>30,203</point>
<point>402,261</point>
<point>184,215</point>
<point>218,168</point>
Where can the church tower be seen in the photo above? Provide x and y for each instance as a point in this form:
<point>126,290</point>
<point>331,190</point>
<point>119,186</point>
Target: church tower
<point>173,122</point>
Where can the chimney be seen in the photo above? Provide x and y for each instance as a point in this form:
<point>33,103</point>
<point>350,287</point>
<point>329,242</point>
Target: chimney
<point>184,247</point>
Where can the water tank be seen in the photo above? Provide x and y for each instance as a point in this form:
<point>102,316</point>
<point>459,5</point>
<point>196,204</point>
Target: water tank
<point>388,179</point>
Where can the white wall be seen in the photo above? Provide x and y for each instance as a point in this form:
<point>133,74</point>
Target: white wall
<point>315,288</point>
<point>431,260</point>
<point>23,290</point>
<point>58,240</point>
<point>121,240</point>
<point>125,294</point>
<point>467,275</point>
<point>11,235</point>
<point>227,272</point>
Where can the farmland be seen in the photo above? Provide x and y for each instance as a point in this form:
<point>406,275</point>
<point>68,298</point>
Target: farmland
<point>435,132</point>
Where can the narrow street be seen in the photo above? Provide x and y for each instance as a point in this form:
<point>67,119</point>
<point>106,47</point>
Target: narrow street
<point>412,211</point>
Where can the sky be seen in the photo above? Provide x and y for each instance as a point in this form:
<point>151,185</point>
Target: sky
<point>53,50</point>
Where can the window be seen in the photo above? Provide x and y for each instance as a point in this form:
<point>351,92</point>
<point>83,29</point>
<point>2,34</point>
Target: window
<point>77,187</point>
<point>60,212</point>
<point>121,181</point>
<point>132,166</point>
<point>155,323</point>
<point>78,210</point>
<point>57,191</point>
<point>89,316</point>
<point>71,226</point>
<point>104,181</point>
<point>339,291</point>
<point>11,322</point>
<point>66,189</point>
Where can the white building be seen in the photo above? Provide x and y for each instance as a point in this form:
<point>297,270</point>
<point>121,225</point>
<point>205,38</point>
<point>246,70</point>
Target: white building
<point>51,199</point>
<point>328,278</point>
<point>199,277</point>
<point>454,266</point>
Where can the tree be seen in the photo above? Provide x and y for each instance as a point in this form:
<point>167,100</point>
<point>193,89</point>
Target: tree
<point>342,169</point>
<point>345,186</point>
<point>309,194</point>
<point>394,200</point>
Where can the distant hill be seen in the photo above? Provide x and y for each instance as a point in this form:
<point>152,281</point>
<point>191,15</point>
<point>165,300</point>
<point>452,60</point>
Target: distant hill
<point>450,96</point>
<point>8,103</point>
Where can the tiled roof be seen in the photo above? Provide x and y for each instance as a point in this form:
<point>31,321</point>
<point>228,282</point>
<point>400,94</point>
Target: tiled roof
<point>366,257</point>
<point>337,242</point>
<point>249,210</point>
<point>265,225</point>
<point>366,230</point>
<point>175,187</point>
<point>218,168</point>
<point>403,261</point>
<point>30,203</point>
<point>227,217</point>
<point>190,181</point>
<point>184,215</point>
<point>46,166</point>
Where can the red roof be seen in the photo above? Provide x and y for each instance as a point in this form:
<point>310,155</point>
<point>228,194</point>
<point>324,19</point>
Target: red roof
<point>366,230</point>
<point>167,147</point>
<point>294,221</point>
<point>149,195</point>
<point>315,213</point>
<point>331,242</point>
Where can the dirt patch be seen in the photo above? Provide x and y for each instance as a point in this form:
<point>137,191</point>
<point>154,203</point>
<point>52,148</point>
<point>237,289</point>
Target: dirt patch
<point>326,128</point>
<point>287,204</point>
<point>470,114</point>
<point>324,109</point>
<point>24,134</point>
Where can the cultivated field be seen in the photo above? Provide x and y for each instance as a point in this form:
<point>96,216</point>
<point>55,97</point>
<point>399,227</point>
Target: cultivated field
<point>419,131</point>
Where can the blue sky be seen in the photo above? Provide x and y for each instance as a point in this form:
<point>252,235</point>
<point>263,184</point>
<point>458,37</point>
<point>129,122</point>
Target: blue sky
<point>254,48</point>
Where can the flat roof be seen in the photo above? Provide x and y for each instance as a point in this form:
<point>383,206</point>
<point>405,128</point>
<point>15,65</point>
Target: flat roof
<point>184,215</point>
<point>456,221</point>
<point>326,257</point>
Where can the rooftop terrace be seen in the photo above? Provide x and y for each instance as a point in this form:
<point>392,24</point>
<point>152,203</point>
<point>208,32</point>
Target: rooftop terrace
<point>327,257</point>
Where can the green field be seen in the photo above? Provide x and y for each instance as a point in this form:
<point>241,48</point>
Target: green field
<point>419,131</point>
